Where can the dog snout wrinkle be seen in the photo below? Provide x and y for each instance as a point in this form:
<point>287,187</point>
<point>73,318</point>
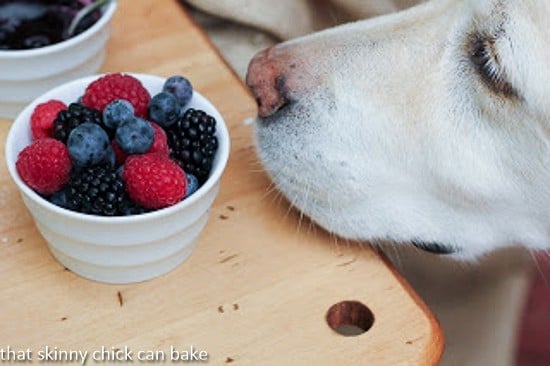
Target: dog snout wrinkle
<point>267,83</point>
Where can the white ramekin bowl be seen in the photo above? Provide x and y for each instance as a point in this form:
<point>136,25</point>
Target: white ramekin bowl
<point>26,74</point>
<point>119,249</point>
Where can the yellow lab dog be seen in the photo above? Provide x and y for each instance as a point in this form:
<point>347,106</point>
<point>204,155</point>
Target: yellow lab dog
<point>425,128</point>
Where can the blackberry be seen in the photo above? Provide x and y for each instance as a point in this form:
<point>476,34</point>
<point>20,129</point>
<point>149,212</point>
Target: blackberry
<point>97,190</point>
<point>193,143</point>
<point>74,116</point>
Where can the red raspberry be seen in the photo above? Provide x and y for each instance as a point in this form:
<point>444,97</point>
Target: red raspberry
<point>43,116</point>
<point>44,165</point>
<point>154,180</point>
<point>160,143</point>
<point>111,87</point>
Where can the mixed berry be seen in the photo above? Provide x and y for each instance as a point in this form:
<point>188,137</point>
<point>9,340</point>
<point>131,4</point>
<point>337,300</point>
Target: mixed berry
<point>118,150</point>
<point>27,24</point>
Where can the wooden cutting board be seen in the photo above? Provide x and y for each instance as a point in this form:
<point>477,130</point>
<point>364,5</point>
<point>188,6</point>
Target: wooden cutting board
<point>257,289</point>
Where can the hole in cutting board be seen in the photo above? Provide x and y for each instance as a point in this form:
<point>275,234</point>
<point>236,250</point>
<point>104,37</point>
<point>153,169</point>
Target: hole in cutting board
<point>350,318</point>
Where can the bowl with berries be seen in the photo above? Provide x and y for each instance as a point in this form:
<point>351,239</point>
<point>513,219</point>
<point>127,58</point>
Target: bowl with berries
<point>119,172</point>
<point>45,43</point>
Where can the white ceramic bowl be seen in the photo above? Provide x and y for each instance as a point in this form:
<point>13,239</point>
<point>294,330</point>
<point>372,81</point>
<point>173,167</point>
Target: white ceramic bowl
<point>26,74</point>
<point>127,248</point>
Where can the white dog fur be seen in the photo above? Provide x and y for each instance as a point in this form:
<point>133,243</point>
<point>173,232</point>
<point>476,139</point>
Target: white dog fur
<point>392,134</point>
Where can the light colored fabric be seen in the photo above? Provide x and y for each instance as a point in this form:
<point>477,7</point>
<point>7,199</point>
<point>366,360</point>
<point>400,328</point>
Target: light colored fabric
<point>478,305</point>
<point>291,18</point>
<point>237,43</point>
<point>240,28</point>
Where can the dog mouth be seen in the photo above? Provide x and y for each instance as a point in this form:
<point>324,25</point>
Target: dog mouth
<point>435,248</point>
<point>296,175</point>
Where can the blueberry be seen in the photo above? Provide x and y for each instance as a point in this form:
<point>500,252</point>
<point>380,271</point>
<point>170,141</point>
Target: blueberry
<point>36,41</point>
<point>120,170</point>
<point>192,184</point>
<point>110,157</point>
<point>116,112</point>
<point>88,144</point>
<point>164,109</point>
<point>180,87</point>
<point>135,136</point>
<point>59,198</point>
<point>130,208</point>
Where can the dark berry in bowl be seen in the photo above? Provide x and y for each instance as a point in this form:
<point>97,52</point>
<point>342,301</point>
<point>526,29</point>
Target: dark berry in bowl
<point>193,143</point>
<point>164,109</point>
<point>116,112</point>
<point>74,116</point>
<point>135,136</point>
<point>180,87</point>
<point>29,24</point>
<point>88,145</point>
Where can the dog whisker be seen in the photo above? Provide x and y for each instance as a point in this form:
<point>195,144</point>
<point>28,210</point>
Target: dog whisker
<point>312,226</point>
<point>255,166</point>
<point>271,188</point>
<point>395,254</point>
<point>335,239</point>
<point>256,170</point>
<point>290,208</point>
<point>301,214</point>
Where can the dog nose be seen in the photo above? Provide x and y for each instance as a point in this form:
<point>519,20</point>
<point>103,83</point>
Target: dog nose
<point>267,82</point>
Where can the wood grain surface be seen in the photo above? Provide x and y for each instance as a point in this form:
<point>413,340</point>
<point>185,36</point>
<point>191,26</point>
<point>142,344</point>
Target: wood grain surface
<point>258,287</point>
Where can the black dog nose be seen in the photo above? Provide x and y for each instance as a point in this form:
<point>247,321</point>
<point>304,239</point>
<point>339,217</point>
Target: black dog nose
<point>435,248</point>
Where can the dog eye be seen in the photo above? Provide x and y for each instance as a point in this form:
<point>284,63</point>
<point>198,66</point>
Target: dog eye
<point>484,58</point>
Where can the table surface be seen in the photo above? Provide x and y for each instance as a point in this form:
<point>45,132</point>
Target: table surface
<point>259,285</point>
